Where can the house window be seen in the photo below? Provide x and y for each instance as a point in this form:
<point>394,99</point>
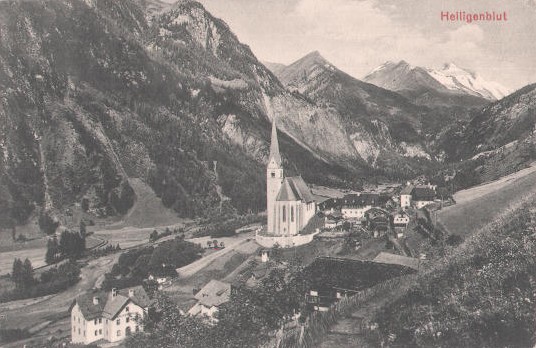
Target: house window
<point>96,332</point>
<point>128,319</point>
<point>126,308</point>
<point>128,331</point>
<point>118,321</point>
<point>100,331</point>
<point>79,331</point>
<point>118,333</point>
<point>100,320</point>
<point>284,214</point>
<point>291,214</point>
<point>273,175</point>
<point>95,321</point>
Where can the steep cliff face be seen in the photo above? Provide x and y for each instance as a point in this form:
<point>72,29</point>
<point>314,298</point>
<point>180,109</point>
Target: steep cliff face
<point>385,129</point>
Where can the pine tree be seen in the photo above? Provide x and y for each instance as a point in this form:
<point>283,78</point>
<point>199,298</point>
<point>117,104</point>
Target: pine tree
<point>27,274</point>
<point>52,251</point>
<point>16,273</point>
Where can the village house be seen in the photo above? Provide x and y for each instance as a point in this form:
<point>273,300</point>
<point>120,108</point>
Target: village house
<point>101,316</point>
<point>401,220</point>
<point>330,205</point>
<point>377,221</point>
<point>209,298</point>
<point>405,197</point>
<point>422,196</point>
<point>355,206</point>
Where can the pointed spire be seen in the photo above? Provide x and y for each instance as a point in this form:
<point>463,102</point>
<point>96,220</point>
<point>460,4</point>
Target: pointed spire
<point>274,146</point>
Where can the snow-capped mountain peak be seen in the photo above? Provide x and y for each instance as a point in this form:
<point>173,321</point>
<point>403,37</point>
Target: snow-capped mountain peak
<point>450,79</point>
<point>462,80</point>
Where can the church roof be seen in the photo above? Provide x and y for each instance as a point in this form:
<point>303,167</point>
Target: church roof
<point>294,189</point>
<point>274,146</point>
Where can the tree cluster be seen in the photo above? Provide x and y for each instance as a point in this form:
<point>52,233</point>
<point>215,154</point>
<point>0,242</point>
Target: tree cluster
<point>49,282</point>
<point>72,245</point>
<point>135,266</point>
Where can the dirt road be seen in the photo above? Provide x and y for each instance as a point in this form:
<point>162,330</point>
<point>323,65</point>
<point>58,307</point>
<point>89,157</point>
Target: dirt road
<point>231,243</point>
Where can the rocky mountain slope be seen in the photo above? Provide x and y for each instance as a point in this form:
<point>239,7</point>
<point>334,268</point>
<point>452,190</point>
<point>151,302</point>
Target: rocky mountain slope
<point>97,92</point>
<point>497,140</point>
<point>450,86</point>
<point>386,129</point>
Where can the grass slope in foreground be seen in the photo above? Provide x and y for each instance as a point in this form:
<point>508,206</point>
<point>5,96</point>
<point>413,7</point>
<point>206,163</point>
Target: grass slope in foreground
<point>479,295</point>
<point>481,204</point>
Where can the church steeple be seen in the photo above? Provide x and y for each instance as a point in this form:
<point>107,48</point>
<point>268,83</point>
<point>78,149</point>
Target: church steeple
<point>274,179</point>
<point>275,157</point>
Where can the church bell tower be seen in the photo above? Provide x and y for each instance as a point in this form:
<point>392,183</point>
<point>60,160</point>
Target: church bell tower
<point>274,179</point>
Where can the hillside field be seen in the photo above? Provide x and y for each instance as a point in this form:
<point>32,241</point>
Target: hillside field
<point>481,204</point>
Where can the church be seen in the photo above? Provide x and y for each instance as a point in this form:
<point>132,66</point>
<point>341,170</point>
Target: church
<point>290,203</point>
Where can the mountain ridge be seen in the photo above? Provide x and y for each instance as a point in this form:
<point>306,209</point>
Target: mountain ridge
<point>449,86</point>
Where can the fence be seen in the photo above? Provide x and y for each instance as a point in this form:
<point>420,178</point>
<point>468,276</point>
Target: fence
<point>319,323</point>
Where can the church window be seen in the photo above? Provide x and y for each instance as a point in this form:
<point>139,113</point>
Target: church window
<point>291,214</point>
<point>273,175</point>
<point>284,214</point>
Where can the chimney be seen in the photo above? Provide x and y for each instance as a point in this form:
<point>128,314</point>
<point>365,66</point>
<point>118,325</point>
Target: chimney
<point>114,292</point>
<point>95,300</point>
<point>130,292</point>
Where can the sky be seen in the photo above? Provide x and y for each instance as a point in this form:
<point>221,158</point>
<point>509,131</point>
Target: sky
<point>359,35</point>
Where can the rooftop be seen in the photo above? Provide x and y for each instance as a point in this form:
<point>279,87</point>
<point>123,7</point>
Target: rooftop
<point>423,194</point>
<point>342,273</point>
<point>295,189</point>
<point>394,259</point>
<point>215,293</point>
<point>108,305</point>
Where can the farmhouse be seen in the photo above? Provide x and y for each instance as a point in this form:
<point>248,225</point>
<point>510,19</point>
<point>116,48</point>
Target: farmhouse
<point>333,278</point>
<point>400,220</point>
<point>209,298</point>
<point>108,316</point>
<point>422,196</point>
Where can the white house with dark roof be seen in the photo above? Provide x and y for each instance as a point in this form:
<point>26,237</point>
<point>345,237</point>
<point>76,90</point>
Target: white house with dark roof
<point>405,197</point>
<point>101,316</point>
<point>209,298</point>
<point>290,203</point>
